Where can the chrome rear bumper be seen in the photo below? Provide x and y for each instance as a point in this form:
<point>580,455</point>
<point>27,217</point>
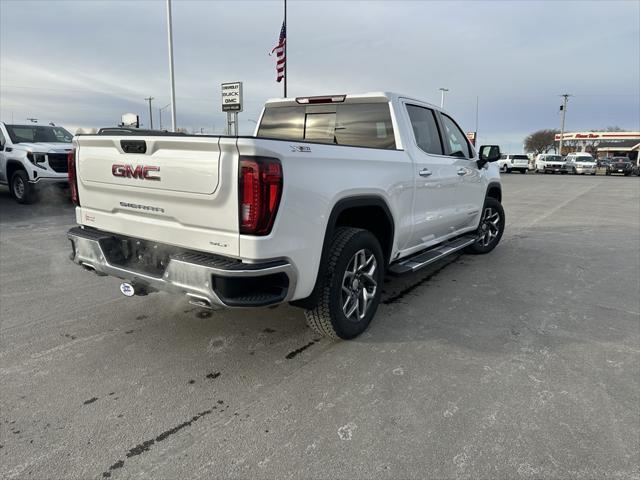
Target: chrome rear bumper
<point>191,273</point>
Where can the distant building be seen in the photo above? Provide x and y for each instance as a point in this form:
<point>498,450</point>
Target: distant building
<point>622,148</point>
<point>602,144</point>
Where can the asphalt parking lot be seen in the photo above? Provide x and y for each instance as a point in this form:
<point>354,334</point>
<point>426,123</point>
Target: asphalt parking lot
<point>524,363</point>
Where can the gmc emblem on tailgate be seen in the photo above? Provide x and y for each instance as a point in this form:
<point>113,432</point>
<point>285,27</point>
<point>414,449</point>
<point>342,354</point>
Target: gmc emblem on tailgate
<point>143,172</point>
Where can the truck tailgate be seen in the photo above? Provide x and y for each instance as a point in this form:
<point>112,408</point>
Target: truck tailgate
<point>177,190</point>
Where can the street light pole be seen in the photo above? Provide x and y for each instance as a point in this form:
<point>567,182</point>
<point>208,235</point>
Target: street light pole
<point>173,86</point>
<point>442,90</point>
<point>148,99</point>
<point>564,111</point>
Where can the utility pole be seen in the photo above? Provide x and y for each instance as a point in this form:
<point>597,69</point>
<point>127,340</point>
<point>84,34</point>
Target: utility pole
<point>160,113</point>
<point>563,109</point>
<point>442,90</point>
<point>148,99</point>
<point>172,80</point>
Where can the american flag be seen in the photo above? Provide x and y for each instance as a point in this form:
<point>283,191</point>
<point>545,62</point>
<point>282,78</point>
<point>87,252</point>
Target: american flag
<point>279,50</point>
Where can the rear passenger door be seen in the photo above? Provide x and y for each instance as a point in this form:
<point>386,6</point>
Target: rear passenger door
<point>471,181</point>
<point>435,179</point>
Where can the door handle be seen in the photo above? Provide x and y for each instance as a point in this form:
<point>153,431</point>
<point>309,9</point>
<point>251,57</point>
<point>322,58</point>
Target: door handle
<point>425,172</point>
<point>461,171</point>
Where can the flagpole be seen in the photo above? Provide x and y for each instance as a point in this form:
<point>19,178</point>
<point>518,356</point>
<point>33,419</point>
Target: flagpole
<point>286,40</point>
<point>171,76</point>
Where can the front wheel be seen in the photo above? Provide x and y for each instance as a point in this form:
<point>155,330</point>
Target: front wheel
<point>491,227</point>
<point>21,189</point>
<point>350,285</point>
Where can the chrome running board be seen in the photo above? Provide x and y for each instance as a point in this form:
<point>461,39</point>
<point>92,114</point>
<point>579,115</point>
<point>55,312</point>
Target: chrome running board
<point>424,258</point>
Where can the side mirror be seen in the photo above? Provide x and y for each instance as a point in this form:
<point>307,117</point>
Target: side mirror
<point>488,153</point>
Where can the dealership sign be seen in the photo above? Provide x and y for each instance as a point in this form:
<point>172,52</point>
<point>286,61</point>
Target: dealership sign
<point>599,136</point>
<point>471,136</point>
<point>232,97</point>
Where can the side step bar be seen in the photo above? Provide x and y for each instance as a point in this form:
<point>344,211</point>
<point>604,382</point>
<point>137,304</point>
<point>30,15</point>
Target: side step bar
<point>422,259</point>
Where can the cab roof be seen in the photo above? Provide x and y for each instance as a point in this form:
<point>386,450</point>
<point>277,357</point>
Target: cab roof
<point>367,97</point>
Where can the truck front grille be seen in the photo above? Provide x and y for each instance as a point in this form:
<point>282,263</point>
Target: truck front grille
<point>58,162</point>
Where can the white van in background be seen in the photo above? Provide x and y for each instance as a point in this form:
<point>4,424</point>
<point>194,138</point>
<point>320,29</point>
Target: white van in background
<point>549,162</point>
<point>580,163</point>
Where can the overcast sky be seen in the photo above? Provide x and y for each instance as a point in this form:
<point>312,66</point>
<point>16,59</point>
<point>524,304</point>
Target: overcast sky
<point>85,63</point>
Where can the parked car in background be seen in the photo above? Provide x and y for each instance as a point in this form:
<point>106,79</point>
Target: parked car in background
<point>31,157</point>
<point>620,166</point>
<point>603,162</point>
<point>508,163</point>
<point>580,163</point>
<point>546,162</point>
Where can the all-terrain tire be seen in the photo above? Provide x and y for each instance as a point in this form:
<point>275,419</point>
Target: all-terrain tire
<point>328,318</point>
<point>491,207</point>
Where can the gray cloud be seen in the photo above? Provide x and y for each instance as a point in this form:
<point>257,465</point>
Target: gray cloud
<point>84,63</point>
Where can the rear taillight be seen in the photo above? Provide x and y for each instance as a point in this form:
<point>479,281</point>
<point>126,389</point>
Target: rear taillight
<point>73,177</point>
<point>259,192</point>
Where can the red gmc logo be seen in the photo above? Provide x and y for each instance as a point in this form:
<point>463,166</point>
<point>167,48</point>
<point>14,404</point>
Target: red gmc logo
<point>142,172</point>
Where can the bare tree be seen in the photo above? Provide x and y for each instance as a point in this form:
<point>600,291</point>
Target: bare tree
<point>541,141</point>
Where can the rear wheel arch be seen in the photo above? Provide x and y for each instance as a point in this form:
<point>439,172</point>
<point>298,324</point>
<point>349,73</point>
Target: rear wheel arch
<point>368,212</point>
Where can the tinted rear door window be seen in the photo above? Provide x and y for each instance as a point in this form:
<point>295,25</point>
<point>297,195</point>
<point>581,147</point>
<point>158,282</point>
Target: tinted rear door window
<point>425,129</point>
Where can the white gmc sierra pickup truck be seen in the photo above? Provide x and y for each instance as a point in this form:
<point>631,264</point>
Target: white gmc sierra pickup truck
<point>329,195</point>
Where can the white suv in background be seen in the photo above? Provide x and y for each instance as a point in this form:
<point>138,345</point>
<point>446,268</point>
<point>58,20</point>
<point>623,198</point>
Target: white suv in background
<point>507,163</point>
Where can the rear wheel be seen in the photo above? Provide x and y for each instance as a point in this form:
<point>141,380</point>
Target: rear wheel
<point>523,171</point>
<point>351,285</point>
<point>21,189</point>
<point>491,227</point>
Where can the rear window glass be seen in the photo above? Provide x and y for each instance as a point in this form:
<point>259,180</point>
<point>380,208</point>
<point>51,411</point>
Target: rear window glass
<point>356,125</point>
<point>520,157</point>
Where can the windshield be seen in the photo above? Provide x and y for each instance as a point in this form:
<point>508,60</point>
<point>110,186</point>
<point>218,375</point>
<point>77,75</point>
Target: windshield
<point>520,157</point>
<point>38,133</point>
<point>584,159</point>
<point>552,158</point>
